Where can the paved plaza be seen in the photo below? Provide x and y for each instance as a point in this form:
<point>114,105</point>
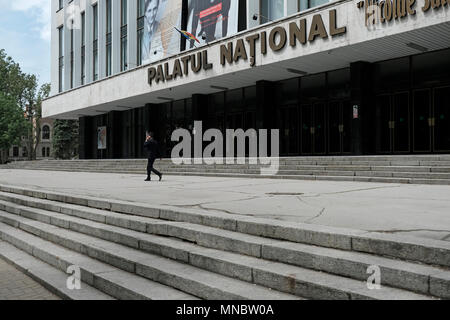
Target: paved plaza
<point>15,285</point>
<point>415,210</point>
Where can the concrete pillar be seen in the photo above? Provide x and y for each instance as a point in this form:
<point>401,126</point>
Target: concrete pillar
<point>77,48</point>
<point>132,34</point>
<point>85,138</point>
<point>102,39</point>
<point>116,21</point>
<point>89,44</point>
<point>54,49</point>
<point>360,73</point>
<point>67,33</point>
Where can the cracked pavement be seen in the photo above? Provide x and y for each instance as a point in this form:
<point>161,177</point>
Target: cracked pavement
<point>416,210</point>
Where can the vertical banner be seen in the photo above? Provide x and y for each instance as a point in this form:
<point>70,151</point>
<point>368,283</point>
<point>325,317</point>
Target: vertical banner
<point>160,37</point>
<point>101,138</point>
<point>209,20</point>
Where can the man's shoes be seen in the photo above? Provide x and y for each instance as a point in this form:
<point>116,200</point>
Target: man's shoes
<point>160,177</point>
<point>148,179</point>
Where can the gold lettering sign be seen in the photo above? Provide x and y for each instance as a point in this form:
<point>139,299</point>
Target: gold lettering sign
<point>298,33</point>
<point>389,10</point>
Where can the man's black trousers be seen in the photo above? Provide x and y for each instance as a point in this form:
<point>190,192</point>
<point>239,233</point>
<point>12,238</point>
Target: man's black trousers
<point>150,168</point>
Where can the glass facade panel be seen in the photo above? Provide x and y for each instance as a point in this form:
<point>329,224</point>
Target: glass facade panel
<point>95,42</point>
<point>124,36</point>
<point>271,10</point>
<point>61,59</point>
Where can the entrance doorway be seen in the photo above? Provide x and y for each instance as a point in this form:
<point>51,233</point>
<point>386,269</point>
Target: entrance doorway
<point>393,123</point>
<point>313,125</point>
<point>431,124</point>
<point>289,127</point>
<point>339,127</point>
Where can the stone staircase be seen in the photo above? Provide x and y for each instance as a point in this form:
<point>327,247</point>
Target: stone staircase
<point>423,169</point>
<point>129,250</point>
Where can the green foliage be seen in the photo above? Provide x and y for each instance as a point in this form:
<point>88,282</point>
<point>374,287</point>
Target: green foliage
<point>22,89</point>
<point>12,123</point>
<point>12,79</point>
<point>65,138</point>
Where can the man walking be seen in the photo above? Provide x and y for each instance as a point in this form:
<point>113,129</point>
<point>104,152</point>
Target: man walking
<point>152,149</point>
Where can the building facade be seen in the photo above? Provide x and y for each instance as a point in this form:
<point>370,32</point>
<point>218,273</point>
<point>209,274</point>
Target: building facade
<point>335,77</point>
<point>44,149</point>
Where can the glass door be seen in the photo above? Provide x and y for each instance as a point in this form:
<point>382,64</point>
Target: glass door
<point>319,134</point>
<point>306,129</point>
<point>340,115</point>
<point>441,120</point>
<point>289,125</point>
<point>334,127</point>
<point>422,121</point>
<point>400,124</point>
<point>384,124</point>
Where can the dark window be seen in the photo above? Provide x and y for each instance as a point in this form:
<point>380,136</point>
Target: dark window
<point>431,68</point>
<point>108,38</point>
<point>140,30</point>
<point>61,58</point>
<point>83,48</point>
<point>71,57</point>
<point>124,36</point>
<point>45,132</point>
<point>95,42</point>
<point>15,151</point>
<point>43,152</point>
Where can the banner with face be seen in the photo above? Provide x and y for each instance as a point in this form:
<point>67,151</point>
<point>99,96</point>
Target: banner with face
<point>209,20</point>
<point>160,37</point>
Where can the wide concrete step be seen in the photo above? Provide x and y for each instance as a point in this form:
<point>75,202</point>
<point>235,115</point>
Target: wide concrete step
<point>402,247</point>
<point>295,280</point>
<point>112,281</point>
<point>48,276</point>
<point>414,277</point>
<point>181,276</point>
<point>379,178</point>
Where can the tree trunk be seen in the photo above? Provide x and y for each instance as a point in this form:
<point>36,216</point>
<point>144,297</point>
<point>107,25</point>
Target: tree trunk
<point>3,156</point>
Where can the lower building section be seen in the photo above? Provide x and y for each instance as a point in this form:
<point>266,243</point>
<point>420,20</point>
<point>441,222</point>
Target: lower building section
<point>399,106</point>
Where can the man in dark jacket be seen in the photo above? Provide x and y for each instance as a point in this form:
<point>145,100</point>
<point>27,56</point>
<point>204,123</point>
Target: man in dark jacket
<point>152,148</point>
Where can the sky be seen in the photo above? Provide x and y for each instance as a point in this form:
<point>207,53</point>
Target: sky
<point>25,27</point>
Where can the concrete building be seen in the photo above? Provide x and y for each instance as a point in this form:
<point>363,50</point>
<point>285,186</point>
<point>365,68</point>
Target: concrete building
<point>336,77</point>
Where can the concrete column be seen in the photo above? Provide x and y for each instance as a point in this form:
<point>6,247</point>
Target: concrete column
<point>132,34</point>
<point>54,49</point>
<point>361,99</point>
<point>102,39</point>
<point>67,30</point>
<point>85,138</point>
<point>77,46</point>
<point>89,39</point>
<point>116,10</point>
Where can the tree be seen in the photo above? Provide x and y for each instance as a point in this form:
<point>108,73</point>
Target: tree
<point>65,139</point>
<point>11,78</point>
<point>13,125</point>
<point>33,101</point>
